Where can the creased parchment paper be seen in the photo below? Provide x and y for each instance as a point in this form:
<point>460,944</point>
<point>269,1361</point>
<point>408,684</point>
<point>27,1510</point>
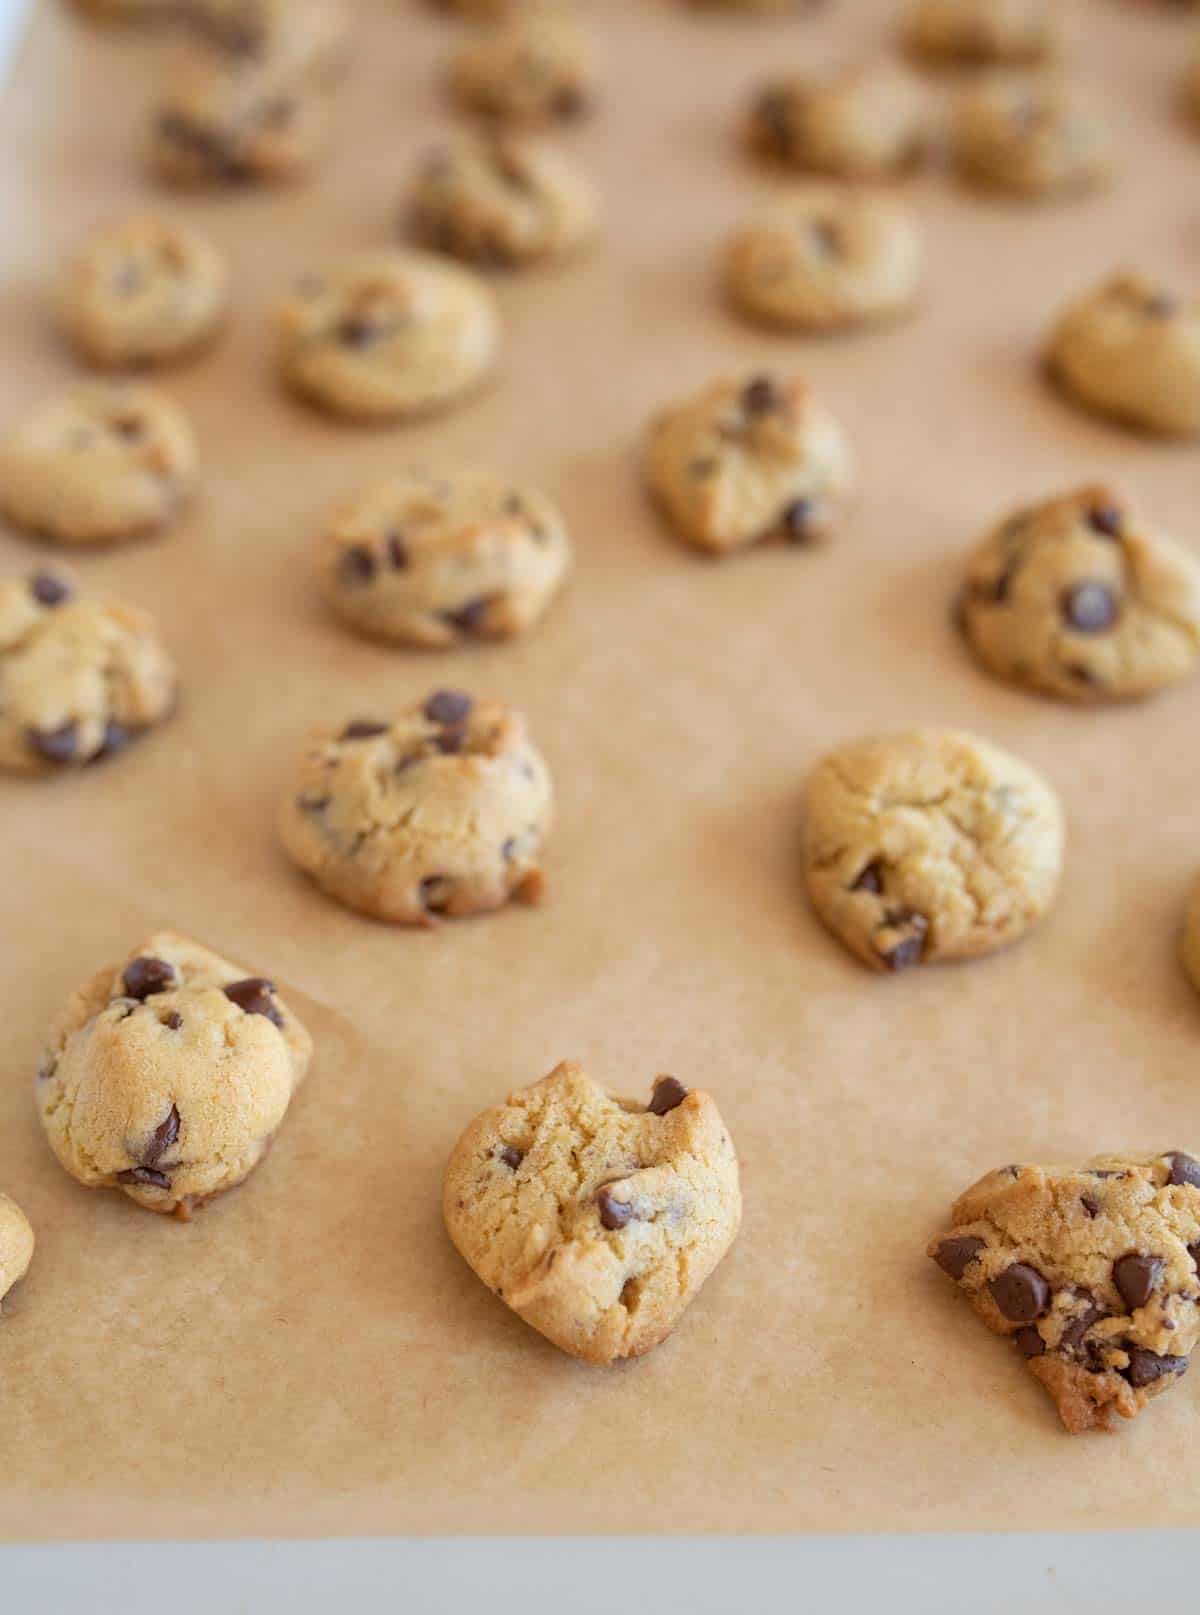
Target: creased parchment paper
<point>310,1356</point>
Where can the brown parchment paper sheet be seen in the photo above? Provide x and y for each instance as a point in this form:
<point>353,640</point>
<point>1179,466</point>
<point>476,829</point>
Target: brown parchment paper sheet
<point>310,1356</point>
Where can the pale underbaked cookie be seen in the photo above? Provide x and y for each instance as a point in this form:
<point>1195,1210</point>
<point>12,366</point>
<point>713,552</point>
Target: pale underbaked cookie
<point>503,200</point>
<point>1031,136</point>
<point>1091,1270</point>
<point>595,1219</point>
<point>929,845</point>
<point>80,678</point>
<point>144,290</point>
<point>822,259</point>
<point>1130,350</point>
<point>435,560</point>
<point>1076,597</point>
<point>442,811</point>
<point>869,121</point>
<point>104,462</point>
<point>168,1076</point>
<point>16,1244</point>
<point>742,461</point>
<point>307,38</point>
<point>387,335</point>
<point>239,122</point>
<point>536,66</point>
<point>980,31</point>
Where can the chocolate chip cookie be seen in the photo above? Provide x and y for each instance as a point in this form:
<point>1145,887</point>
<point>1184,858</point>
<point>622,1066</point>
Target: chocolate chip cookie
<point>503,200</point>
<point>102,463</point>
<point>928,846</point>
<point>307,39</point>
<point>1091,1270</point>
<point>868,121</point>
<point>824,259</point>
<point>168,1076</point>
<point>1189,944</point>
<point>441,811</point>
<point>81,677</point>
<point>16,1244</point>
<point>742,461</point>
<point>436,561</point>
<point>597,1220</point>
<point>974,32</point>
<point>536,66</point>
<point>1078,598</point>
<point>1032,136</point>
<point>1130,351</point>
<point>237,122</point>
<point>145,290</point>
<point>387,336</point>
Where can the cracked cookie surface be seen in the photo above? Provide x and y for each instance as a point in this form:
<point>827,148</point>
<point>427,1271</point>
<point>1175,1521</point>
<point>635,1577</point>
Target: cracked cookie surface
<point>168,1076</point>
<point>503,200</point>
<point>973,32</point>
<point>16,1244</point>
<point>1091,1270</point>
<point>536,66</point>
<point>1078,598</point>
<point>104,462</point>
<point>1031,136</point>
<point>440,812</point>
<point>387,335</point>
<point>822,259</point>
<point>869,121</point>
<point>143,291</point>
<point>1130,351</point>
<point>81,677</point>
<point>928,846</point>
<point>439,560</point>
<point>235,123</point>
<point>595,1219</point>
<point>742,461</point>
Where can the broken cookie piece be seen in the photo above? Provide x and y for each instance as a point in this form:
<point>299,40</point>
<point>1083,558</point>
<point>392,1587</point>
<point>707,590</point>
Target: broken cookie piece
<point>928,846</point>
<point>1091,1270</point>
<point>597,1220</point>
<point>16,1244</point>
<point>169,1076</point>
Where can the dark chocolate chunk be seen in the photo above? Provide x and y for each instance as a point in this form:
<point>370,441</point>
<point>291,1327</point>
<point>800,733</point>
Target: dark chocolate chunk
<point>1029,1342</point>
<point>448,707</point>
<point>1090,1206</point>
<point>146,975</point>
<point>1072,1335</point>
<point>48,590</point>
<point>1147,1366</point>
<point>1021,1293</point>
<point>614,1213</point>
<point>1089,607</point>
<point>163,1136</point>
<point>1184,1169</point>
<point>1135,1277</point>
<point>668,1092</point>
<point>511,1156</point>
<point>954,1256</point>
<point>255,995</point>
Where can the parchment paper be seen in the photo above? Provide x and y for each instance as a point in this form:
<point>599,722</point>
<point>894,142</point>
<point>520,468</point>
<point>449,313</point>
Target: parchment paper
<point>310,1356</point>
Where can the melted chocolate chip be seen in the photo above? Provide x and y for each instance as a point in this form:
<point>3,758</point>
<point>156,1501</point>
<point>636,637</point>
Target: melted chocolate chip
<point>435,893</point>
<point>1021,1293</point>
<point>1184,1169</point>
<point>146,975</point>
<point>870,878</point>
<point>48,590</point>
<point>363,729</point>
<point>1089,607</point>
<point>469,619</point>
<point>668,1092</point>
<point>56,745</point>
<point>614,1213</point>
<point>448,707</point>
<point>163,1136</point>
<point>760,396</point>
<point>797,520</point>
<point>1029,1342</point>
<point>357,565</point>
<point>1135,1277</point>
<point>1072,1335</point>
<point>954,1256</point>
<point>255,995</point>
<point>1147,1366</point>
<point>146,1175</point>
<point>511,1156</point>
<point>1090,1206</point>
<point>1106,519</point>
<point>397,552</point>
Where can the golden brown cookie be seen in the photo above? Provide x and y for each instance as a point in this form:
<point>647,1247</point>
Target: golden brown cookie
<point>1032,136</point>
<point>868,121</point>
<point>16,1244</point>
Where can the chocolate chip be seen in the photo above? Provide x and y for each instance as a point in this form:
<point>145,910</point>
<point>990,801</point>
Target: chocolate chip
<point>1194,1252</point>
<point>397,552</point>
<point>357,565</point>
<point>452,741</point>
<point>116,738</point>
<point>908,950</point>
<point>1090,607</point>
<point>1072,1336</point>
<point>56,745</point>
<point>47,1066</point>
<point>797,520</point>
<point>363,729</point>
<point>163,1136</point>
<point>569,102</point>
<point>146,975</point>
<point>1147,1366</point>
<point>760,396</point>
<point>48,590</point>
<point>668,1092</point>
<point>773,112</point>
<point>954,1256</point>
<point>827,236</point>
<point>173,1020</point>
<point>128,426</point>
<point>1135,1277</point>
<point>511,1156</point>
<point>435,892</point>
<point>255,994</point>
<point>1029,1342</point>
<point>1090,1206</point>
<point>870,878</point>
<point>469,618</point>
<point>1161,307</point>
<point>146,1175</point>
<point>614,1213</point>
<point>313,804</point>
<point>1106,519</point>
<point>1021,1293</point>
<point>356,332</point>
<point>1184,1169</point>
<point>448,707</point>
